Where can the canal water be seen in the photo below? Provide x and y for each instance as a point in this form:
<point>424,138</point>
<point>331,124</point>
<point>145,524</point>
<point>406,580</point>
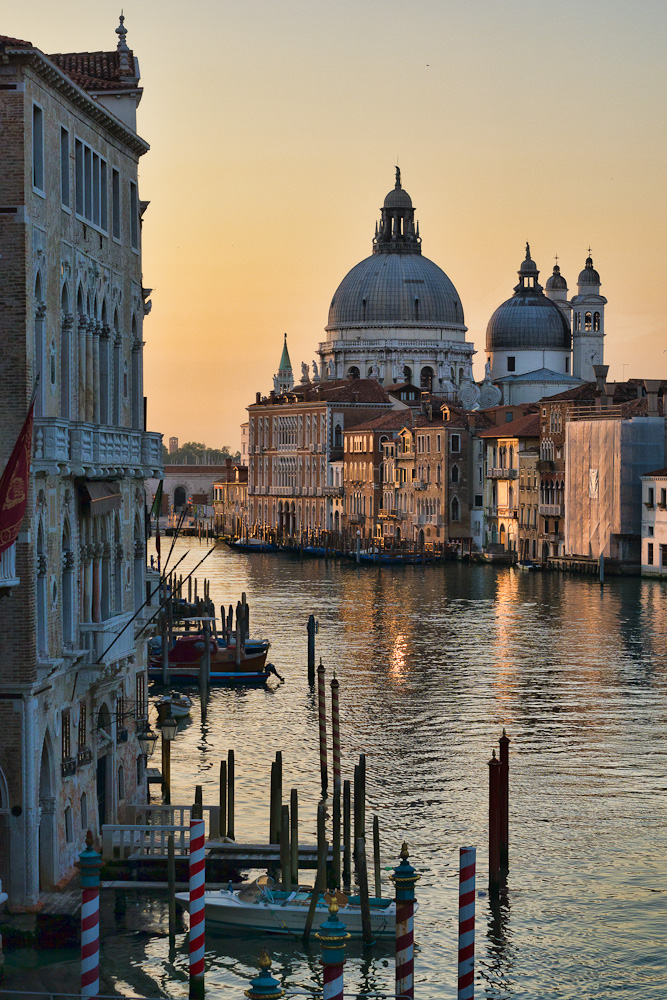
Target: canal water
<point>433,662</point>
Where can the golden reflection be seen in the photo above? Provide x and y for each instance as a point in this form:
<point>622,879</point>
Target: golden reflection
<point>397,664</point>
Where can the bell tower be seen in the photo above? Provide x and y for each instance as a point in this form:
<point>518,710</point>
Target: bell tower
<point>587,323</point>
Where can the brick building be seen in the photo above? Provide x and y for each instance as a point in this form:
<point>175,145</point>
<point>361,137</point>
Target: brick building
<point>363,457</point>
<point>505,448</point>
<point>71,312</point>
<point>230,500</point>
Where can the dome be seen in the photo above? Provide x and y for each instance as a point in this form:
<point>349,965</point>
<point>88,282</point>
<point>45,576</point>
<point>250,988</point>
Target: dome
<point>556,282</point>
<point>529,321</point>
<point>398,198</point>
<point>589,276</point>
<point>396,289</point>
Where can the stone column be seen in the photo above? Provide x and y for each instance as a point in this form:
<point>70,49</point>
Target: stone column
<point>105,381</point>
<point>97,582</point>
<point>97,329</point>
<point>88,405</point>
<point>81,391</point>
<point>30,839</point>
<point>87,570</point>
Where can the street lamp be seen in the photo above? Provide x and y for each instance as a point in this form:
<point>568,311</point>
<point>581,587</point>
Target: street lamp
<point>147,740</point>
<point>169,727</point>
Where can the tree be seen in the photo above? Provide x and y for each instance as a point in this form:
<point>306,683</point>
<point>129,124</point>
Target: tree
<point>196,453</point>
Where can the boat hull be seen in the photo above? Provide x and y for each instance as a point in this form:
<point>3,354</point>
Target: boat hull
<point>222,909</point>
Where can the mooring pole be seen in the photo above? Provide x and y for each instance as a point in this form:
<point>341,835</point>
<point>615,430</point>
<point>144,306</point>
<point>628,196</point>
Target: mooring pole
<point>230,794</point>
<point>333,935</point>
<point>197,903</point>
<point>264,986</point>
<point>335,729</point>
<point>322,711</point>
<point>335,839</point>
<point>171,887</point>
<point>362,878</point>
<point>347,836</point>
<point>311,650</point>
<point>294,835</point>
<point>285,859</point>
<point>222,826</point>
<point>89,865</point>
<point>466,976</point>
<point>503,832</point>
<point>494,824</point>
<point>376,856</point>
<point>405,878</point>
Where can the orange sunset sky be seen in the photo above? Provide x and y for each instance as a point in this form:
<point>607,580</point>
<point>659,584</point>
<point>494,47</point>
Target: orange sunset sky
<point>274,130</point>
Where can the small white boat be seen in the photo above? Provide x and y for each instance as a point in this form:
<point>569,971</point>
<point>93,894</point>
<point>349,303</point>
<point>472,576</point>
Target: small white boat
<point>179,705</point>
<point>261,908</point>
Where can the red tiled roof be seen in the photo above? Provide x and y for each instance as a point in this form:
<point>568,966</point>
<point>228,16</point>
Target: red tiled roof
<point>14,43</point>
<point>349,390</point>
<point>528,426</point>
<point>658,474</point>
<point>95,70</point>
<point>391,421</point>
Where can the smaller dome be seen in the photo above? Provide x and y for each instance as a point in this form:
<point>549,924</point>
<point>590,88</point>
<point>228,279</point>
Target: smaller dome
<point>528,266</point>
<point>398,198</point>
<point>589,276</point>
<point>556,282</point>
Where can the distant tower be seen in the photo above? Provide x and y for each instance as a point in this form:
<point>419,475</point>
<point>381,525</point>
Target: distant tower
<point>587,324</point>
<point>173,445</point>
<point>284,380</point>
<point>556,290</point>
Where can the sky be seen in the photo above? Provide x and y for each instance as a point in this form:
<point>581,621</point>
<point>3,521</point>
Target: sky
<point>274,131</point>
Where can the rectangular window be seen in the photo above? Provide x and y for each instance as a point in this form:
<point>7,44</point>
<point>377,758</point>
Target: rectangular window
<point>82,725</point>
<point>437,442</point>
<point>509,416</point>
<point>64,168</point>
<point>663,498</point>
<point>115,203</point>
<point>479,500</point>
<point>104,224</point>
<point>649,553</point>
<point>96,189</point>
<point>650,496</point>
<point>511,364</point>
<point>134,216</point>
<point>88,183</point>
<point>37,147</point>
<point>455,443</point>
<point>66,735</point>
<point>78,175</point>
<point>567,365</point>
<point>141,708</point>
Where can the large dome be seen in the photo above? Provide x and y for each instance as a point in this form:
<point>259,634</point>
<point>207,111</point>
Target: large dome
<point>395,289</point>
<point>529,321</point>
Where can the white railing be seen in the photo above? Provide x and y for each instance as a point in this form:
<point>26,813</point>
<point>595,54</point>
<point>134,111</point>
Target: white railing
<point>551,509</point>
<point>161,815</point>
<point>97,637</point>
<point>130,840</point>
<point>502,473</point>
<point>59,440</point>
<point>8,577</point>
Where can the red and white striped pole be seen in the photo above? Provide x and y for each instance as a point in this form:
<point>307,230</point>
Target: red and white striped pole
<point>335,729</point>
<point>89,864</point>
<point>322,711</point>
<point>197,904</point>
<point>466,988</point>
<point>405,878</point>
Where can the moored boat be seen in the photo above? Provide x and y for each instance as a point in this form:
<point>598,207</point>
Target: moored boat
<point>262,908</point>
<point>178,705</point>
<point>252,545</point>
<point>186,655</point>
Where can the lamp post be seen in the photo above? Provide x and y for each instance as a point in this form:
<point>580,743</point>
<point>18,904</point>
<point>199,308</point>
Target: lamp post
<point>147,740</point>
<point>169,727</point>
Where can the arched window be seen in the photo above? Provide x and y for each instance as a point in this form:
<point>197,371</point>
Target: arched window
<point>136,389</point>
<point>84,811</point>
<point>353,372</point>
<point>179,498</point>
<point>67,586</point>
<point>68,824</point>
<point>456,509</point>
<point>65,355</point>
<point>455,473</point>
<point>416,307</point>
<point>139,563</point>
<point>577,322</point>
<point>426,378</point>
<point>42,610</point>
<point>596,322</point>
<point>338,436</point>
<point>588,321</point>
<point>407,374</point>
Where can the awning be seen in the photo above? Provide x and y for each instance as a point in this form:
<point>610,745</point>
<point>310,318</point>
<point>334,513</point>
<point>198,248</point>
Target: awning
<point>103,497</point>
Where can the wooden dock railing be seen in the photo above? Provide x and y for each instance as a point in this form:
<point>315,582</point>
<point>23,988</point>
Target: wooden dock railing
<point>163,815</point>
<point>137,841</point>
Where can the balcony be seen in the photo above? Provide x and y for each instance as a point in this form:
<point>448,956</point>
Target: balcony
<point>68,767</point>
<point>506,511</point>
<point>418,484</point>
<point>387,512</point>
<point>90,449</point>
<point>84,756</point>
<point>8,577</point>
<point>96,637</point>
<point>551,509</point>
<point>502,473</point>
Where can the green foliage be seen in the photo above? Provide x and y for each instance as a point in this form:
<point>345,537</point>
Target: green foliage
<point>195,453</point>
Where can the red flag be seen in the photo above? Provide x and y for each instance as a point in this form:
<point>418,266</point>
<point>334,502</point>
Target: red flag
<point>14,485</point>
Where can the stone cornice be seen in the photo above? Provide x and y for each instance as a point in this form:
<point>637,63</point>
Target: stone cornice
<point>66,86</point>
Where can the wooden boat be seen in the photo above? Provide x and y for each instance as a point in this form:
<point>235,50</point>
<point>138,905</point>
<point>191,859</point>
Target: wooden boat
<point>186,654</point>
<point>259,907</point>
<point>178,705</point>
<point>252,545</point>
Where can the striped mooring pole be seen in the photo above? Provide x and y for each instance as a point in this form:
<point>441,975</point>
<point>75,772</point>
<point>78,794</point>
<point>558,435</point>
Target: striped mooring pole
<point>405,878</point>
<point>333,935</point>
<point>335,729</point>
<point>264,986</point>
<point>322,711</point>
<point>197,902</point>
<point>466,986</point>
<point>89,865</point>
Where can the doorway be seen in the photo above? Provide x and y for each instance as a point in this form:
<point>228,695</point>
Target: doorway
<point>102,791</point>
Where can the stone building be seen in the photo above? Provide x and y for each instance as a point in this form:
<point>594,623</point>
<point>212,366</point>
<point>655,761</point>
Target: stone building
<point>363,456</point>
<point>295,447</point>
<point>505,448</point>
<point>72,676</point>
<point>230,501</point>
<point>396,316</point>
<point>654,523</point>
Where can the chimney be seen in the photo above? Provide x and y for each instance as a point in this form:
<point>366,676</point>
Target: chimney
<point>272,396</point>
<point>258,397</point>
<point>601,372</point>
<point>652,385</point>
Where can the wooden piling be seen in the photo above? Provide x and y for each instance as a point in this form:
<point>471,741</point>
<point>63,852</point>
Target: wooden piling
<point>376,856</point>
<point>239,633</point>
<point>322,716</point>
<point>285,858</point>
<point>294,835</point>
<point>189,590</point>
<point>362,795</point>
<point>311,650</point>
<point>494,818</point>
<point>322,851</point>
<point>165,649</point>
<point>223,798</point>
<point>199,803</point>
<point>347,842</point>
<point>335,839</point>
<point>171,887</point>
<point>503,803</point>
<point>362,879</point>
<point>335,729</point>
<point>230,795</point>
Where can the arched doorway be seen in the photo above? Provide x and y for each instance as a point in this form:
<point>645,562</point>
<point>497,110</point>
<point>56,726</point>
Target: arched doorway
<point>353,372</point>
<point>179,498</point>
<point>397,534</point>
<point>545,552</point>
<point>420,538</point>
<point>47,818</point>
<point>407,374</point>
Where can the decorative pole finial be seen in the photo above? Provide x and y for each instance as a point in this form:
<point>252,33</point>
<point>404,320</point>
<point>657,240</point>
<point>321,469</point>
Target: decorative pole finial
<point>89,840</point>
<point>333,906</point>
<point>121,31</point>
<point>405,854</point>
<point>264,961</point>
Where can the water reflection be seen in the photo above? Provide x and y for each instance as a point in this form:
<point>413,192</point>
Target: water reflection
<point>433,662</point>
